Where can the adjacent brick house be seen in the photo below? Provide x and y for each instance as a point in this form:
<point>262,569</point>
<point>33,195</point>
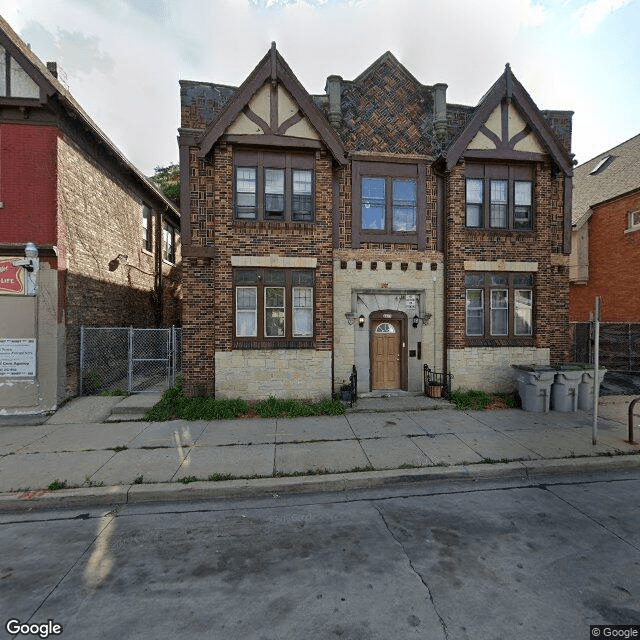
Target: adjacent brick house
<point>605,258</point>
<point>107,239</point>
<point>375,225</point>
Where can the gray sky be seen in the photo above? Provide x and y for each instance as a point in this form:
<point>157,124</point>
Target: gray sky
<point>122,59</point>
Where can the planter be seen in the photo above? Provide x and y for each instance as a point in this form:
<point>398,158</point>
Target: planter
<point>434,390</point>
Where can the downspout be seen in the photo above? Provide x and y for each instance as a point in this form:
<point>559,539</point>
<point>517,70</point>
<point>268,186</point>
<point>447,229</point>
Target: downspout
<point>442,195</point>
<point>158,270</point>
<point>445,275</point>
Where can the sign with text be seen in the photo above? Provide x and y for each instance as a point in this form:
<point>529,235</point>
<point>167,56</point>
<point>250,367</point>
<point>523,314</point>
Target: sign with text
<point>18,358</point>
<point>11,278</point>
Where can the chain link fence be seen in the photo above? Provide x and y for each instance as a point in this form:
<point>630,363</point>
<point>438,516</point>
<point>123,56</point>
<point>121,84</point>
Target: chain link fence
<point>619,344</point>
<point>129,360</point>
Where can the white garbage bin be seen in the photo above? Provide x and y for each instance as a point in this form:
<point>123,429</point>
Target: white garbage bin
<point>534,386</point>
<point>564,392</point>
<point>585,390</point>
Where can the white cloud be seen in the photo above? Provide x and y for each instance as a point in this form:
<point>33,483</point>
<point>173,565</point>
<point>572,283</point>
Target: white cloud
<point>591,14</point>
<point>137,50</point>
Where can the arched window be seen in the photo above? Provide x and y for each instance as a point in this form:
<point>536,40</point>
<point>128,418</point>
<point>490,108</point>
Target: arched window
<point>385,327</point>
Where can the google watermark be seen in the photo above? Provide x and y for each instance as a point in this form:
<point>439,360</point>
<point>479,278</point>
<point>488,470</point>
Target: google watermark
<point>625,631</point>
<point>39,629</point>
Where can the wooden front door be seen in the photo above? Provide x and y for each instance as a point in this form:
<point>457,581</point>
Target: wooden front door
<point>386,355</point>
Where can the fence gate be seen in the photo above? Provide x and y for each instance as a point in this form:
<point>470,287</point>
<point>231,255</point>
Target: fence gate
<point>129,360</point>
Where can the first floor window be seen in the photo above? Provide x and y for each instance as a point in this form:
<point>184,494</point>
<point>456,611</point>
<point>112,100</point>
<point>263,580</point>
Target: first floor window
<point>499,305</point>
<point>274,305</point>
<point>246,312</point>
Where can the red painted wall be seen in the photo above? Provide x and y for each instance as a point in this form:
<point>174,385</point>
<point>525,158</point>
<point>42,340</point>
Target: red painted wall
<point>614,266</point>
<point>28,177</point>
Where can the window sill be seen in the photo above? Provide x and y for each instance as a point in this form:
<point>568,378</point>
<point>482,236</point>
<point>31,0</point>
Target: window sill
<point>528,341</point>
<point>632,229</point>
<point>270,224</point>
<point>499,230</point>
<point>297,343</point>
<point>169,262</point>
<point>146,252</point>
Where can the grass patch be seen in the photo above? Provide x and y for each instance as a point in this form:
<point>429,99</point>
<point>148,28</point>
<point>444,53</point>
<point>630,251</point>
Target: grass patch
<point>122,447</point>
<point>189,479</point>
<point>221,477</point>
<point>174,404</point>
<point>57,484</point>
<point>139,480</point>
<point>480,400</point>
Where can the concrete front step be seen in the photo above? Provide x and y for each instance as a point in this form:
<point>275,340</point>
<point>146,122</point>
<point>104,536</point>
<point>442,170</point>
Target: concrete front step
<point>136,404</point>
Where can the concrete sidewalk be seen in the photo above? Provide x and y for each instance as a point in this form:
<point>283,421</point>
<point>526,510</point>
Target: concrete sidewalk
<point>96,461</point>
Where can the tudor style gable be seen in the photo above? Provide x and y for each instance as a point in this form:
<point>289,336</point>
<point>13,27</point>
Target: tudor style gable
<point>271,108</point>
<point>507,125</point>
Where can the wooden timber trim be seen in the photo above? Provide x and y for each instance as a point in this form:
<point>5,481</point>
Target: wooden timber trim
<point>568,189</point>
<point>269,140</point>
<point>272,68</point>
<point>508,88</point>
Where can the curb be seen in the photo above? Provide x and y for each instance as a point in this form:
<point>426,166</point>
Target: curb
<point>119,495</point>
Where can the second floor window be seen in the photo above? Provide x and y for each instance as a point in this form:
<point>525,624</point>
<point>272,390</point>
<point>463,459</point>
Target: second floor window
<point>169,242</point>
<point>499,197</point>
<point>147,229</point>
<point>274,186</point>
<point>388,204</point>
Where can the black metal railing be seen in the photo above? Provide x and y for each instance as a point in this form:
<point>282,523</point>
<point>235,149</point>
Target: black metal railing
<point>353,384</point>
<point>436,384</point>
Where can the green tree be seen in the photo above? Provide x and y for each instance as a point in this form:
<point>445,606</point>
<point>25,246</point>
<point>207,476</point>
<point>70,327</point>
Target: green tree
<point>168,179</point>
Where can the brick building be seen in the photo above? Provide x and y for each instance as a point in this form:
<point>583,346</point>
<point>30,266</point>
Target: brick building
<point>375,225</point>
<point>605,258</point>
<point>107,240</point>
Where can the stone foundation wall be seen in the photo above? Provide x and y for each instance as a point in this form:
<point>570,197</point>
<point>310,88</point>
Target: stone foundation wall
<point>282,373</point>
<point>489,368</point>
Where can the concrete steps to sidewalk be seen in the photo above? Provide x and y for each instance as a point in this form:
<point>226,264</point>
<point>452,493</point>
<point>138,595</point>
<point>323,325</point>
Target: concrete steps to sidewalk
<point>133,407</point>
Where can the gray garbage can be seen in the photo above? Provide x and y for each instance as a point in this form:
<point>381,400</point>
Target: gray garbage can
<point>534,386</point>
<point>564,391</point>
<point>585,390</point>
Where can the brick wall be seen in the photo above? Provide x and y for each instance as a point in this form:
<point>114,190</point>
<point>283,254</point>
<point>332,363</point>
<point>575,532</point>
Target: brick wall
<point>28,184</point>
<point>614,264</point>
<point>208,287</point>
<point>544,246</point>
<point>99,219</point>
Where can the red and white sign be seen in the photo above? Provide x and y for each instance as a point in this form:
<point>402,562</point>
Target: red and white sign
<point>11,278</point>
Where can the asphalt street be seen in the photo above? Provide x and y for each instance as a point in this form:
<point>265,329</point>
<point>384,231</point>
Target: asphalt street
<point>499,559</point>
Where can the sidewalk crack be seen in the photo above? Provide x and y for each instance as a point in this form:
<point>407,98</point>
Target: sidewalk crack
<point>416,572</point>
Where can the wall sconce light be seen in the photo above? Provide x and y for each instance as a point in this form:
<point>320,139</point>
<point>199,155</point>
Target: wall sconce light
<point>415,322</point>
<point>361,321</point>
